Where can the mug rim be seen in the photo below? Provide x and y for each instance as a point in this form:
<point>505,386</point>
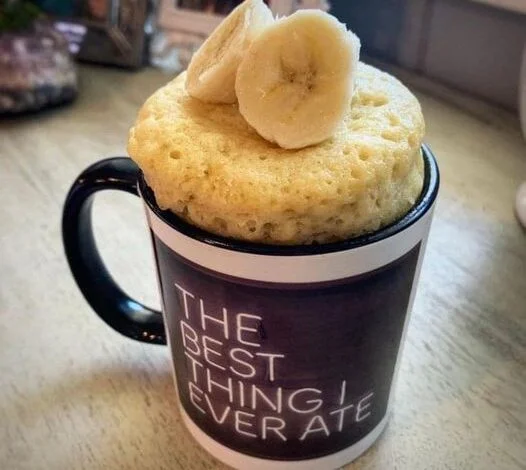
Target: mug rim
<point>423,204</point>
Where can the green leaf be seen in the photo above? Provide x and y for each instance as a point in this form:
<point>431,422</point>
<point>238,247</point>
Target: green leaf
<point>17,15</point>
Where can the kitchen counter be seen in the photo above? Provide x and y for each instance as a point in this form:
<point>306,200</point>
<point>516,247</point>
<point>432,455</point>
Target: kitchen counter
<point>76,395</point>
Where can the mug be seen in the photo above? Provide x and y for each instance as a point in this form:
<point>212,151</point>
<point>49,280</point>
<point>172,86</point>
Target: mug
<point>284,357</point>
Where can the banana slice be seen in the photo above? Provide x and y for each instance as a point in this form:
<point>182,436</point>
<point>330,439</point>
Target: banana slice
<point>297,78</point>
<point>212,71</point>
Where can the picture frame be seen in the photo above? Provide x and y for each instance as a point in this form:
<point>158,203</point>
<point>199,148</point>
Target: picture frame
<point>103,31</point>
<point>186,28</point>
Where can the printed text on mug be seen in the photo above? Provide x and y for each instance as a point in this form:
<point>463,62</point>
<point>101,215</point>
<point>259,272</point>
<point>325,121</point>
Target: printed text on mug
<point>216,368</point>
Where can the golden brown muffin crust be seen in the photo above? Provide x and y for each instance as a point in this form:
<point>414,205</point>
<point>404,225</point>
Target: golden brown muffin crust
<point>206,164</point>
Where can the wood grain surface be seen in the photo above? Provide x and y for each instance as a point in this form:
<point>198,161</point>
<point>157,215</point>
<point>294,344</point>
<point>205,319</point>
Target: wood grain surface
<point>76,395</point>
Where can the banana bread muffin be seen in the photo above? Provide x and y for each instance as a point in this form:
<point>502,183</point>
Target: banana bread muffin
<point>207,165</point>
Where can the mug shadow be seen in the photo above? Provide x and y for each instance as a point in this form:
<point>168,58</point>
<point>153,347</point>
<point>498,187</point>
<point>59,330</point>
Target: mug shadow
<point>127,416</point>
<point>114,417</point>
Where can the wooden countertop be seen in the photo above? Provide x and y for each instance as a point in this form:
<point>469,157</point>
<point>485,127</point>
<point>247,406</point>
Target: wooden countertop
<point>76,395</point>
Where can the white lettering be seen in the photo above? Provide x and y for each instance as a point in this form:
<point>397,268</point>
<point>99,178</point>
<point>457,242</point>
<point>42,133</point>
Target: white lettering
<point>341,411</point>
<point>316,403</point>
<point>343,391</point>
<point>271,357</point>
<point>185,302</point>
<point>193,389</point>
<point>190,338</point>
<point>363,404</point>
<point>250,370</point>
<point>241,328</point>
<point>218,420</point>
<point>311,429</point>
<point>195,363</point>
<point>238,422</point>
<point>207,349</point>
<point>241,394</point>
<point>227,388</point>
<point>279,425</point>
<point>273,406</point>
<point>204,317</point>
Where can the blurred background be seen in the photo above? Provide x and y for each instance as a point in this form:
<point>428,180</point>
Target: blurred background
<point>476,46</point>
<point>73,75</point>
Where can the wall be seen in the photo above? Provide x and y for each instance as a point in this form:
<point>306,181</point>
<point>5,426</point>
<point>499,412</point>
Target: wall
<point>468,45</point>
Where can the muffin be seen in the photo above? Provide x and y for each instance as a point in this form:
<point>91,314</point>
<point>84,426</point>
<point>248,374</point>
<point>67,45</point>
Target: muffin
<point>208,166</point>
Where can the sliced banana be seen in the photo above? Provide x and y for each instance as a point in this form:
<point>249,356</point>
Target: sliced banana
<point>212,71</point>
<point>296,80</point>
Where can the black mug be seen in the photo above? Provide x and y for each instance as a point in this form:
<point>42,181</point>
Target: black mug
<point>285,356</point>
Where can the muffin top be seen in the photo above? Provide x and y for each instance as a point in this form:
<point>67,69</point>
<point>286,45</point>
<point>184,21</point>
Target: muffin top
<point>208,166</point>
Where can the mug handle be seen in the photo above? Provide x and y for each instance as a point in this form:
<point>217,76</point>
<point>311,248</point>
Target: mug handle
<point>109,301</point>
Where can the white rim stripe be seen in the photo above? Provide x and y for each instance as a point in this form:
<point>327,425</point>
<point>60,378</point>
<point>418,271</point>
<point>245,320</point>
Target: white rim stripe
<point>242,461</point>
<point>292,269</point>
